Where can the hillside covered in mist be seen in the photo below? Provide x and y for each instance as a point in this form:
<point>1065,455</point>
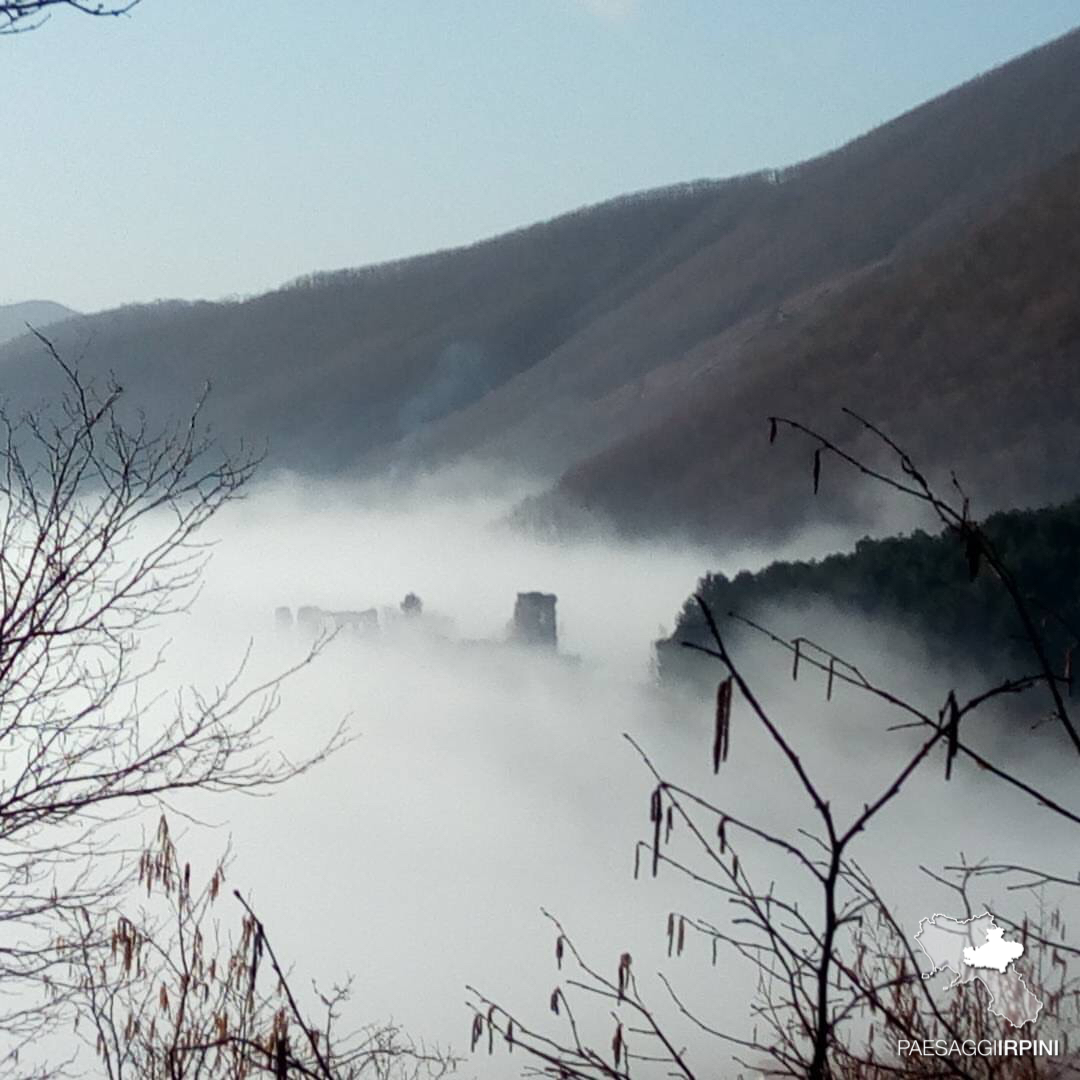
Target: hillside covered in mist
<point>921,583</point>
<point>628,353</point>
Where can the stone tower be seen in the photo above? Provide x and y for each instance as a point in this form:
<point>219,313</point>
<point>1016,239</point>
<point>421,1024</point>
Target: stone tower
<point>534,619</point>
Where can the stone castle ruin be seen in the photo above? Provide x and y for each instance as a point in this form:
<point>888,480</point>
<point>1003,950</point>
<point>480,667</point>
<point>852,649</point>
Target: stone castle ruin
<point>533,623</point>
<point>534,620</point>
<point>316,620</point>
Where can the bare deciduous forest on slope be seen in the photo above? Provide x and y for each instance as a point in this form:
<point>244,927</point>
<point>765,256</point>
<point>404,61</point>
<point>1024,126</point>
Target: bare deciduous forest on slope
<point>641,338</point>
<point>968,356</point>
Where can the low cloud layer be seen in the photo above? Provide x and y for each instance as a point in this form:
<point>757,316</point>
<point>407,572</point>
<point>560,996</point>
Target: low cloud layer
<point>487,782</point>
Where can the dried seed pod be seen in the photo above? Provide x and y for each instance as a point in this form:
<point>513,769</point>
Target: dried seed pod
<point>656,816</point>
<point>617,1045</point>
<point>722,734</point>
<point>952,733</point>
<point>624,974</point>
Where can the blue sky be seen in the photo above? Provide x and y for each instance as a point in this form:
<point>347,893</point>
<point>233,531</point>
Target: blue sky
<point>203,148</point>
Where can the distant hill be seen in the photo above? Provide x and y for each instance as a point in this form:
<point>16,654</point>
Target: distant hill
<point>633,348</point>
<point>38,313</point>
<point>920,582</point>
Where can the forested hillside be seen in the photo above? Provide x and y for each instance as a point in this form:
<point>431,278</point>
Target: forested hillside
<point>921,583</point>
<point>331,366</point>
<point>969,357</point>
<point>636,347</point>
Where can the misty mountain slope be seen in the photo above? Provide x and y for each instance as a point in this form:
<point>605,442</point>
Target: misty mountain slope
<point>901,189</point>
<point>549,344</point>
<point>37,313</point>
<point>337,364</point>
<point>969,357</point>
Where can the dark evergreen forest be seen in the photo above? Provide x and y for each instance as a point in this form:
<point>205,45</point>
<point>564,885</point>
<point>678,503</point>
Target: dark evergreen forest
<point>922,583</point>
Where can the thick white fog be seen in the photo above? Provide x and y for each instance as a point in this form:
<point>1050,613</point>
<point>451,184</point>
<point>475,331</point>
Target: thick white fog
<point>487,782</point>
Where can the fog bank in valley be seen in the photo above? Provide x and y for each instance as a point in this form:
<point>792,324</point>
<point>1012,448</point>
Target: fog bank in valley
<point>486,781</point>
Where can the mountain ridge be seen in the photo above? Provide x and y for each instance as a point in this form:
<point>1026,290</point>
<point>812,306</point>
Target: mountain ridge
<point>561,348</point>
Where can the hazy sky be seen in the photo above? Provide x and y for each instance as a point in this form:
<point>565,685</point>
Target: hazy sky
<point>202,148</point>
